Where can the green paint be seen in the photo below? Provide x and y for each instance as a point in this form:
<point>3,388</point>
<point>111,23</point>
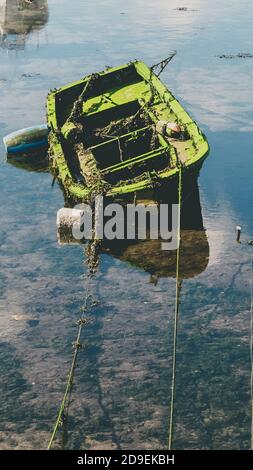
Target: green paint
<point>112,91</point>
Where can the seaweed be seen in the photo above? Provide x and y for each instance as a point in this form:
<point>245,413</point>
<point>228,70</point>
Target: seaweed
<point>185,9</point>
<point>240,55</point>
<point>115,128</point>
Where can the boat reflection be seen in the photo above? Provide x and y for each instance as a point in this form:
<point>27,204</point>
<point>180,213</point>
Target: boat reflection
<point>36,162</point>
<point>18,18</point>
<point>194,249</point>
<point>148,256</point>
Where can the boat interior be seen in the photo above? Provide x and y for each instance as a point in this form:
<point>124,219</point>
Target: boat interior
<point>119,129</point>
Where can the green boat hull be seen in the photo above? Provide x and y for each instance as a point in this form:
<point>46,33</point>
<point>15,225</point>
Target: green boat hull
<point>118,124</point>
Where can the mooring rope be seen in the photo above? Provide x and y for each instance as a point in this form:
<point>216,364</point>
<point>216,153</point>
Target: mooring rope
<point>251,351</point>
<point>77,345</point>
<point>82,322</point>
<point>176,315</point>
<point>163,63</point>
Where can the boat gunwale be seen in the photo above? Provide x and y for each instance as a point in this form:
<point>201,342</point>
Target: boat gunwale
<point>80,191</point>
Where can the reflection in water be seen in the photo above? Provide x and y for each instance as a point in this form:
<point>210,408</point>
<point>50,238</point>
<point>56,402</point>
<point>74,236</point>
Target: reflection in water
<point>37,162</point>
<point>148,254</point>
<point>123,377</point>
<point>18,18</point>
<point>194,248</point>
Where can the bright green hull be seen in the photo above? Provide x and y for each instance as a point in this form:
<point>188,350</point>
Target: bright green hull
<point>129,154</point>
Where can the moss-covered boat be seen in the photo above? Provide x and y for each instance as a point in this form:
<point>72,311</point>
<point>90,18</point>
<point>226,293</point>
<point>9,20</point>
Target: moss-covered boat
<point>120,131</point>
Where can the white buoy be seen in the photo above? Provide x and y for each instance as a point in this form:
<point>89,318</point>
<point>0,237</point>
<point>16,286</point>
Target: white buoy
<point>66,219</point>
<point>238,230</point>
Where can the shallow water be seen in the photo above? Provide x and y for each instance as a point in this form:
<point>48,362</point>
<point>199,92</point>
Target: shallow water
<point>122,384</point>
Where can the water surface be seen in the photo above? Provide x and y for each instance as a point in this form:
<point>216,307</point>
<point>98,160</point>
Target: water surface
<point>122,385</point>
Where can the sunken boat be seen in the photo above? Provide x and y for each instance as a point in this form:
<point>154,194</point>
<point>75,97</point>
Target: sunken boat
<point>120,132</point>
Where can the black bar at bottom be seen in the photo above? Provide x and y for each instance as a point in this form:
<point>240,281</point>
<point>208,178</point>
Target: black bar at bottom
<point>110,459</point>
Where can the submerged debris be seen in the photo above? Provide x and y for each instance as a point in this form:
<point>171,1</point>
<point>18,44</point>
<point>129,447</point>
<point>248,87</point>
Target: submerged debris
<point>184,9</point>
<point>29,2</point>
<point>30,75</point>
<point>245,55</point>
<point>226,56</point>
<point>240,55</point>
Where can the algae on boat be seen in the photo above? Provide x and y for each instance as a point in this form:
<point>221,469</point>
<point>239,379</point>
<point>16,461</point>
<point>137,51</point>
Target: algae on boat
<point>133,129</point>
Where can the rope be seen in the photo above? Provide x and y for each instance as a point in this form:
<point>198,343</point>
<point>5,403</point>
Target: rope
<point>251,351</point>
<point>77,345</point>
<point>77,106</point>
<point>105,132</point>
<point>178,288</point>
<point>163,64</point>
<point>59,420</point>
<point>82,322</point>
